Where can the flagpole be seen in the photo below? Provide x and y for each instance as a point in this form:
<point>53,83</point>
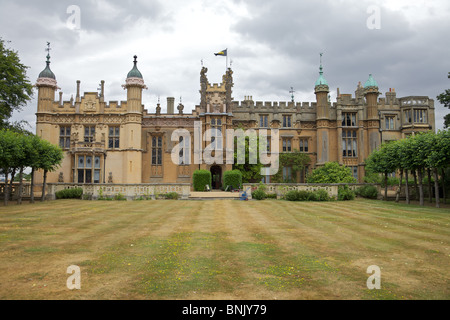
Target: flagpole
<point>226,61</point>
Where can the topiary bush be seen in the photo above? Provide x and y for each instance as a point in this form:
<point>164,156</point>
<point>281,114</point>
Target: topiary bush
<point>73,193</point>
<point>200,179</point>
<point>232,178</point>
<point>368,191</point>
<point>345,193</point>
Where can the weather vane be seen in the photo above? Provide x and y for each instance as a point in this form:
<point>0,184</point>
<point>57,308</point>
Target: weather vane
<point>292,93</point>
<point>48,47</point>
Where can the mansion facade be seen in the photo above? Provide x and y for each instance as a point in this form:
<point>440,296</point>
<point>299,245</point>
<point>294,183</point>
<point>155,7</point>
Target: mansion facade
<point>122,143</point>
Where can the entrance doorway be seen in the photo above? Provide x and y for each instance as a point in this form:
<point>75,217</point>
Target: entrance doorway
<point>216,177</point>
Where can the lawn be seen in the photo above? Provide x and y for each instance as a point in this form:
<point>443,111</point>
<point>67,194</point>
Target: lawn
<point>224,249</point>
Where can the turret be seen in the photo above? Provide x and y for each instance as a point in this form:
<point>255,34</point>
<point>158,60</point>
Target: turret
<point>373,124</point>
<point>47,86</point>
<point>371,93</point>
<point>131,132</point>
<point>134,85</point>
<point>321,90</point>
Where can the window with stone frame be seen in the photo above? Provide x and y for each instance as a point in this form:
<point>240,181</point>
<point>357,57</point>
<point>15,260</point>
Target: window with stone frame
<point>88,169</point>
<point>407,116</point>
<point>303,145</point>
<point>287,144</point>
<point>89,133</point>
<point>349,119</point>
<point>64,137</point>
<point>349,143</point>
<point>263,121</point>
<point>114,137</point>
<point>184,151</point>
<point>157,150</point>
<point>420,116</point>
<point>216,133</point>
<point>389,122</point>
<point>287,121</point>
<point>287,174</point>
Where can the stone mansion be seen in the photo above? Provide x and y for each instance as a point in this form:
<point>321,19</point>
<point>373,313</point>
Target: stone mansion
<point>122,143</point>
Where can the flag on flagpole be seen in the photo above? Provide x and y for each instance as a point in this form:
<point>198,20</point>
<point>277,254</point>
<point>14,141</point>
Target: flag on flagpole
<point>221,53</point>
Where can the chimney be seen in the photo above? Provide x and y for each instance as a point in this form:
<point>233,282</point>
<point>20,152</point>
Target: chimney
<point>170,105</point>
<point>102,88</point>
<point>77,98</point>
<point>60,98</point>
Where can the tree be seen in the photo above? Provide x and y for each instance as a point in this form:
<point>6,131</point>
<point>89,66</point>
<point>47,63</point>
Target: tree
<point>15,88</point>
<point>9,150</point>
<point>439,158</point>
<point>296,160</point>
<point>331,172</point>
<point>384,160</point>
<point>444,98</point>
<point>50,158</point>
<point>251,172</point>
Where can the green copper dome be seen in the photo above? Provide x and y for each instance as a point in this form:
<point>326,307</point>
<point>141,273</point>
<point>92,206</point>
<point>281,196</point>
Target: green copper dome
<point>370,82</point>
<point>47,73</point>
<point>321,80</point>
<point>134,73</point>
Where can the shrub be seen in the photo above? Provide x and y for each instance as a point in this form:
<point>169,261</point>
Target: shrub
<point>368,191</point>
<point>119,196</point>
<point>319,195</point>
<point>172,195</point>
<point>331,172</point>
<point>232,178</point>
<point>303,195</point>
<point>271,195</point>
<point>297,195</point>
<point>74,193</point>
<point>201,178</point>
<point>291,195</point>
<point>345,193</point>
<point>259,194</point>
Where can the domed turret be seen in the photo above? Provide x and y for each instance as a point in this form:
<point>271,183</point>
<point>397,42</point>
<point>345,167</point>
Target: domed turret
<point>321,80</point>
<point>135,73</point>
<point>47,73</point>
<point>370,82</point>
<point>321,84</point>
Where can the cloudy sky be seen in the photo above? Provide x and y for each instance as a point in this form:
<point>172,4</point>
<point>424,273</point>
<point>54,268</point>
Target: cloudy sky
<point>273,46</point>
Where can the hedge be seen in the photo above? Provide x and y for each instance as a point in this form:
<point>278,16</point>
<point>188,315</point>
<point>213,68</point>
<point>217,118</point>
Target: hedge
<point>232,178</point>
<point>201,178</point>
<point>345,193</point>
<point>303,195</point>
<point>74,193</point>
<point>368,191</point>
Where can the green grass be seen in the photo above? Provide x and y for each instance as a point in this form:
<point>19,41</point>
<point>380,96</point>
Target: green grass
<point>224,249</point>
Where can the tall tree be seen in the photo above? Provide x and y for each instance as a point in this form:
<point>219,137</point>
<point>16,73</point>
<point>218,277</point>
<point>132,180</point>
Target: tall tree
<point>51,157</point>
<point>10,152</point>
<point>439,158</point>
<point>444,98</point>
<point>15,88</point>
<point>384,160</point>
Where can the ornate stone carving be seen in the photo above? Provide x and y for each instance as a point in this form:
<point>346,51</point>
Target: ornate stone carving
<point>134,82</point>
<point>48,82</point>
